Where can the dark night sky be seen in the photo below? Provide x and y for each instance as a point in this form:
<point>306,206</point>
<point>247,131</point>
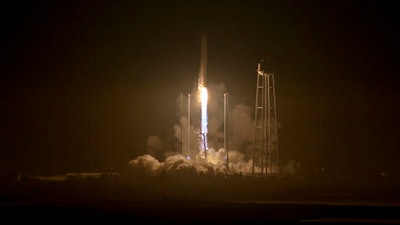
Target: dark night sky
<point>85,82</point>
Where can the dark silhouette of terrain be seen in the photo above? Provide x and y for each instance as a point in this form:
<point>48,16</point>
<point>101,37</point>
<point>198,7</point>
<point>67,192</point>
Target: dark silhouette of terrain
<point>233,199</point>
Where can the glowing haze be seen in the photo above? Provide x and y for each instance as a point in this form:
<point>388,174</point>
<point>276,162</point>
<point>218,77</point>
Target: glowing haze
<point>240,136</point>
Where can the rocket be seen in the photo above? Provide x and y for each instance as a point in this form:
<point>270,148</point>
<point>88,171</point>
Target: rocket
<point>203,61</point>
<point>202,89</point>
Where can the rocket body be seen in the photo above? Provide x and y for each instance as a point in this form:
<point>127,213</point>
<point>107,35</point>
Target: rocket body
<point>203,61</point>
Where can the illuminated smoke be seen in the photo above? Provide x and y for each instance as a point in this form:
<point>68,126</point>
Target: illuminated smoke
<point>178,166</point>
<point>146,165</point>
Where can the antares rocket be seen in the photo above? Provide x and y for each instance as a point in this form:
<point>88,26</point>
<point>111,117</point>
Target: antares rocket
<point>203,61</point>
<point>203,93</point>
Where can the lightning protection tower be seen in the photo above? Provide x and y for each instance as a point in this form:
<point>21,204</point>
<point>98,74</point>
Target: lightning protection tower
<point>265,145</point>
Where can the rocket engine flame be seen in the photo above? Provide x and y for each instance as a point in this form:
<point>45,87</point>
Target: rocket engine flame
<point>204,101</point>
<point>204,117</point>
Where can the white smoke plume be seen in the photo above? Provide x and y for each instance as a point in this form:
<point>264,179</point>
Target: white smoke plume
<point>215,166</point>
<point>179,166</point>
<point>146,165</point>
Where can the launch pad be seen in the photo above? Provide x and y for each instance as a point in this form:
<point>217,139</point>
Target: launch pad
<point>194,136</point>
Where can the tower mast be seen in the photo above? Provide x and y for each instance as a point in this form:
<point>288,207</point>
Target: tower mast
<point>265,144</point>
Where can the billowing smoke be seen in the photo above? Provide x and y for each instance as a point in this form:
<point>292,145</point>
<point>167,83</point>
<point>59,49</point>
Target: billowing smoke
<point>179,166</point>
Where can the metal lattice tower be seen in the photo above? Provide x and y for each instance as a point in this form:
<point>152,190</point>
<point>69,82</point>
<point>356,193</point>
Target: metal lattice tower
<point>265,147</point>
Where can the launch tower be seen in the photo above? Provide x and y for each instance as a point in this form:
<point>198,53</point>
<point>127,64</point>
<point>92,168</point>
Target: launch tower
<point>265,147</point>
